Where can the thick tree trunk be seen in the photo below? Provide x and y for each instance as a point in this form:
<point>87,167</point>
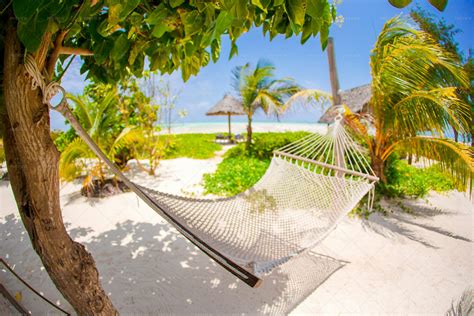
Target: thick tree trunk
<point>32,161</point>
<point>378,165</point>
<point>249,133</point>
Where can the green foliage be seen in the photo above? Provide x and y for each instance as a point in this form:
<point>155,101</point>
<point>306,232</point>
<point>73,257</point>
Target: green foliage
<point>441,32</point>
<point>265,143</point>
<point>242,168</point>
<point>97,113</point>
<point>234,175</point>
<point>62,139</point>
<point>409,181</point>
<point>438,4</point>
<point>258,88</point>
<point>172,34</point>
<point>197,146</point>
<point>415,85</point>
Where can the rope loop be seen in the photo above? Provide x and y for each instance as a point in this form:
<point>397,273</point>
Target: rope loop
<point>50,89</point>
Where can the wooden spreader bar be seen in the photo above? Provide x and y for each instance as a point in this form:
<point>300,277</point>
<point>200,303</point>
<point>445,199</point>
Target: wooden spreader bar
<point>328,166</point>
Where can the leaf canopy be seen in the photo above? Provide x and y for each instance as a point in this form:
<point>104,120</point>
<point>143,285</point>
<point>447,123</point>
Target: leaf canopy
<point>171,34</point>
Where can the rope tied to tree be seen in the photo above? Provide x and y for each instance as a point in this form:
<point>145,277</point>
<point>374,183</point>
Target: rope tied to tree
<point>49,90</point>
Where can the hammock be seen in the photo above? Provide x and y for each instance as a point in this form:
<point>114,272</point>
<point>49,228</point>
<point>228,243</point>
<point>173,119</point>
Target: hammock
<point>310,185</point>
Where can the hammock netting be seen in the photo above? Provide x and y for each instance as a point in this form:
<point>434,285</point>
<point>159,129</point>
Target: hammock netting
<point>297,202</point>
<point>310,185</point>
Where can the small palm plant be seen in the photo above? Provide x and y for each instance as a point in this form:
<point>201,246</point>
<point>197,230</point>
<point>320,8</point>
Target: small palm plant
<point>414,102</point>
<point>102,122</point>
<point>257,88</point>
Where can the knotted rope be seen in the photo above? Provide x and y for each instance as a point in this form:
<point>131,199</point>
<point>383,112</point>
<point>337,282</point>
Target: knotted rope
<point>49,90</point>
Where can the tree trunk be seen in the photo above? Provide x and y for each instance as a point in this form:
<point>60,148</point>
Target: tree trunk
<point>32,161</point>
<point>378,165</point>
<point>249,133</point>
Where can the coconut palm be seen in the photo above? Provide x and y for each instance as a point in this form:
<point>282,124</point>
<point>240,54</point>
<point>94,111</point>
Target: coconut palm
<point>412,102</point>
<point>257,88</point>
<point>102,122</point>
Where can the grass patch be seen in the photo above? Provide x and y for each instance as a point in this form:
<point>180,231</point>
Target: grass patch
<point>197,146</point>
<point>241,169</point>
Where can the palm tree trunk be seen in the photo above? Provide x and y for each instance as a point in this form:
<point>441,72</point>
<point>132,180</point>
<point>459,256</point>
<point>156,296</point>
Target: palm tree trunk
<point>32,161</point>
<point>378,165</point>
<point>249,133</point>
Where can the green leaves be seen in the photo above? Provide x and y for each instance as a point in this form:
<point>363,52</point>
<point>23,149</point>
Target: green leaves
<point>35,16</point>
<point>296,11</point>
<point>121,47</point>
<point>439,4</point>
<point>399,3</point>
<point>31,32</point>
<point>172,34</point>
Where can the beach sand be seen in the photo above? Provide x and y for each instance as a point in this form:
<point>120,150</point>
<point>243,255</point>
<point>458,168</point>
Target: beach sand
<point>395,264</point>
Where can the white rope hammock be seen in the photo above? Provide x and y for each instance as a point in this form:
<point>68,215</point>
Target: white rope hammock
<point>310,185</point>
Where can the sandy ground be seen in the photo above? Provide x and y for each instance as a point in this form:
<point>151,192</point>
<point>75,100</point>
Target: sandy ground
<point>416,263</point>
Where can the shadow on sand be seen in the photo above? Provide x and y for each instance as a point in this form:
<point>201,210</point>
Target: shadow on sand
<point>400,222</point>
<point>149,268</point>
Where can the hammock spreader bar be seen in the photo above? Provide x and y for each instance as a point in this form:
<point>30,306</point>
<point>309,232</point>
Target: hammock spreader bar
<point>244,275</point>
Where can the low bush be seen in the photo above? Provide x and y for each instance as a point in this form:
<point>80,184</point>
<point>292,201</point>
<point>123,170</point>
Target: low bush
<point>235,175</point>
<point>242,168</point>
<point>405,180</point>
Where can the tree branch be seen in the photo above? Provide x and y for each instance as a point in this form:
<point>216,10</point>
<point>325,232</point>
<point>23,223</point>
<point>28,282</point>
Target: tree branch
<point>55,54</point>
<point>75,51</point>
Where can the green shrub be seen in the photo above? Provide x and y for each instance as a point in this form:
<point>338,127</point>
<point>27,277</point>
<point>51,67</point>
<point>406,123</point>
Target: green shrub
<point>62,139</point>
<point>265,143</point>
<point>241,169</point>
<point>197,146</point>
<point>405,180</point>
<point>235,175</point>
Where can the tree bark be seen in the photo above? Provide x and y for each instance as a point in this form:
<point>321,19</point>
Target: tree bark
<point>32,161</point>
<point>249,133</point>
<point>378,165</point>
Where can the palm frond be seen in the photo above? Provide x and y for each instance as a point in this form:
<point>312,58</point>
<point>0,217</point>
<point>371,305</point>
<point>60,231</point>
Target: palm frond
<point>127,138</point>
<point>69,167</point>
<point>432,111</point>
<point>81,110</point>
<point>309,96</point>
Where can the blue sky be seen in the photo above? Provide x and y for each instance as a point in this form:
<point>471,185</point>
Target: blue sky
<point>307,64</point>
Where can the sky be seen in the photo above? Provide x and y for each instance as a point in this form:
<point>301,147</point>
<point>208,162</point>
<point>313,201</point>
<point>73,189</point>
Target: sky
<point>306,64</point>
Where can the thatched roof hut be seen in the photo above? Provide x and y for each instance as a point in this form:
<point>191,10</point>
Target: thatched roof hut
<point>227,106</point>
<point>356,99</point>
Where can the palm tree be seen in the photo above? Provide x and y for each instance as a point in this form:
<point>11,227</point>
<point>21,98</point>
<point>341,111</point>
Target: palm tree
<point>103,123</point>
<point>257,88</point>
<point>413,103</point>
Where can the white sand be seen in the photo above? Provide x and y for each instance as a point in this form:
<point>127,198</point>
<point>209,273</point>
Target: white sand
<point>398,264</point>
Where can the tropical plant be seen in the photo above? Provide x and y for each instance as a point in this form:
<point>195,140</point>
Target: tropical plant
<point>444,34</point>
<point>113,38</point>
<point>100,120</point>
<point>412,105</point>
<point>257,88</point>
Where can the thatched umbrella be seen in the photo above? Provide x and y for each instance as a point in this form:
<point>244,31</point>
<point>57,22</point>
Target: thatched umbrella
<point>227,106</point>
<point>356,99</point>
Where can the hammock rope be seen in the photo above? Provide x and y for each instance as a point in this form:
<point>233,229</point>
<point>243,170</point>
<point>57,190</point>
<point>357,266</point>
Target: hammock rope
<point>310,185</point>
